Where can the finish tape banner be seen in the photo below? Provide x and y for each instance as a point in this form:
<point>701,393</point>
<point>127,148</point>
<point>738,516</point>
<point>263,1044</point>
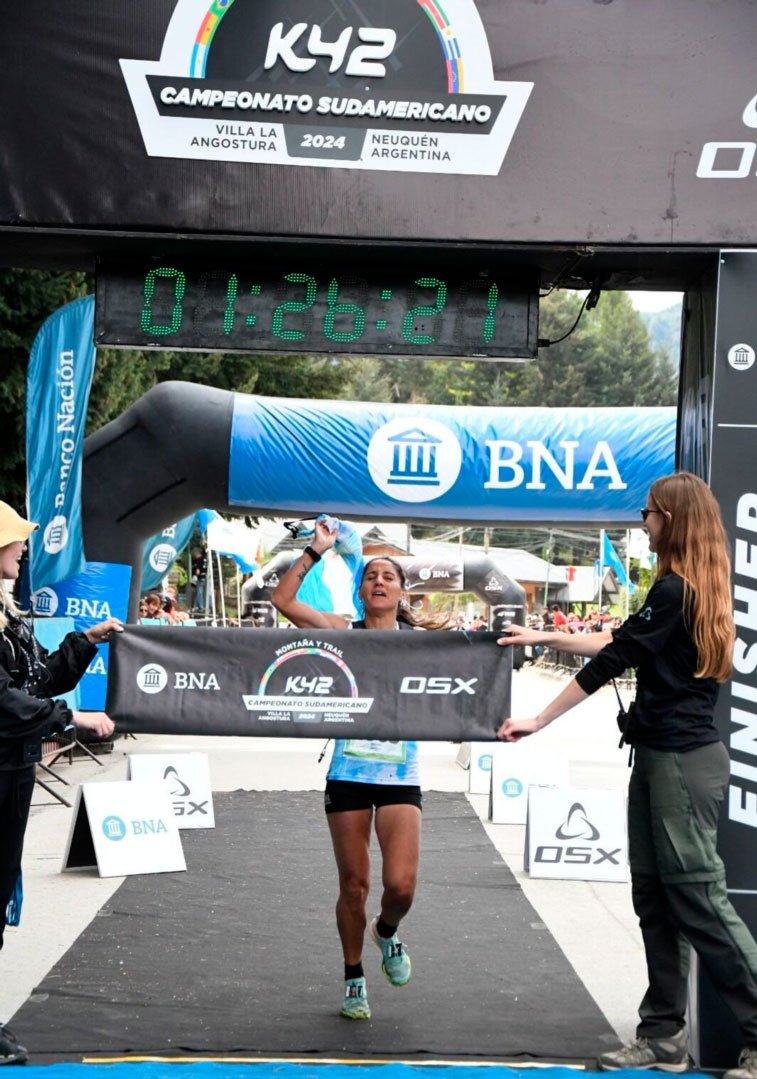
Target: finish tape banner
<point>475,464</point>
<point>309,684</point>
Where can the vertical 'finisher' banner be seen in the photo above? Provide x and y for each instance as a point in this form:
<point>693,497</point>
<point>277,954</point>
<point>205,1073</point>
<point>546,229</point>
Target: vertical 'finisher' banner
<point>309,684</point>
<point>58,381</point>
<point>733,479</point>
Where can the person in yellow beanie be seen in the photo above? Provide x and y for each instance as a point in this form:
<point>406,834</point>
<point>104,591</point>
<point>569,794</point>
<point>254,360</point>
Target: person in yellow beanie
<point>29,679</point>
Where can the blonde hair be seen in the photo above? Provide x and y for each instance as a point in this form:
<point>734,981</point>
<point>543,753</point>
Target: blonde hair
<point>693,544</point>
<point>7,603</point>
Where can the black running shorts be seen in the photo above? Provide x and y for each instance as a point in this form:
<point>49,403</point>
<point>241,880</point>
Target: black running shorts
<point>342,795</point>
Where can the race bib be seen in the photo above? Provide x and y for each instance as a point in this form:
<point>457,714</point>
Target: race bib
<point>390,752</point>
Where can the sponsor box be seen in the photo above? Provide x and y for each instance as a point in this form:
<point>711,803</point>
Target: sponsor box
<point>576,833</point>
<point>517,766</point>
<point>186,779</point>
<point>481,757</point>
<point>123,828</point>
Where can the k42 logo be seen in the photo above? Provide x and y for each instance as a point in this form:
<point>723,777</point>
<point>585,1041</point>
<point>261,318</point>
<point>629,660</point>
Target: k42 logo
<point>317,686</point>
<point>364,60</point>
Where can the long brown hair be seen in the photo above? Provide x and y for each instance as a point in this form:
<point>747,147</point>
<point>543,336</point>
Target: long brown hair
<point>693,544</point>
<point>404,613</point>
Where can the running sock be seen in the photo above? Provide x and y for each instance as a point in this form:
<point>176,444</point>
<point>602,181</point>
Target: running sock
<point>353,970</point>
<point>384,929</point>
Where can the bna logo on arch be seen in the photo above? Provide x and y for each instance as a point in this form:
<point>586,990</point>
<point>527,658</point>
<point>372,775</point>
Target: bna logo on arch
<point>414,459</point>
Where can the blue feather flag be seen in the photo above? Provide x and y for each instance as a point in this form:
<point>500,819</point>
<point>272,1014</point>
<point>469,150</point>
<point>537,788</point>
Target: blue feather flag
<point>611,559</point>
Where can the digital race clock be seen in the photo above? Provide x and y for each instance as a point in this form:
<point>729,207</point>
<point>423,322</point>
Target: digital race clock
<point>303,307</point>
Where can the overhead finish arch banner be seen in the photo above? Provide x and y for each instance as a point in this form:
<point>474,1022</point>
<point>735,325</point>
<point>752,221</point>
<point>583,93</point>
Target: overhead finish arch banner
<point>472,464</point>
<point>573,122</point>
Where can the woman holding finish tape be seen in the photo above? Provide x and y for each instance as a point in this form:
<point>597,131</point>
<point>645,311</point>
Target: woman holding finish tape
<point>369,783</point>
<point>29,677</point>
<point>681,644</point>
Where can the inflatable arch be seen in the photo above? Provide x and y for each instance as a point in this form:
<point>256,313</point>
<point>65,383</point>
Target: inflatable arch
<point>182,446</point>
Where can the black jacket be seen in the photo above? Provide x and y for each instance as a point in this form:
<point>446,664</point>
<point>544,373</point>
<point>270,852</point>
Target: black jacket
<point>674,710</point>
<point>29,678</point>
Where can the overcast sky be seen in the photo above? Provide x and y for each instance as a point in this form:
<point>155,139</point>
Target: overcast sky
<point>654,301</point>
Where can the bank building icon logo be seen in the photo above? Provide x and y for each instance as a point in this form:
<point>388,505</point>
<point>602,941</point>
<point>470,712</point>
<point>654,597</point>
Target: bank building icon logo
<point>55,536</point>
<point>114,828</point>
<point>162,557</point>
<point>152,678</point>
<point>45,602</point>
<point>741,357</point>
<point>414,460</point>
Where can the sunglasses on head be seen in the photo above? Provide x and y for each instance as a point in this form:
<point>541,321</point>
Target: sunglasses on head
<point>646,512</point>
<point>295,527</point>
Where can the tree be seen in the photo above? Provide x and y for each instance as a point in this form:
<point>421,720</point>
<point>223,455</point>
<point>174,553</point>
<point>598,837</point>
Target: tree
<point>608,360</point>
<point>26,299</point>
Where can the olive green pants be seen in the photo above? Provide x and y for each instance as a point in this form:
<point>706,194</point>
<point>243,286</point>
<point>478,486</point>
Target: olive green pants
<point>679,891</point>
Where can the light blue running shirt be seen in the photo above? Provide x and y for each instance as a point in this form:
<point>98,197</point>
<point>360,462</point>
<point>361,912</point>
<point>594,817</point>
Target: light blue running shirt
<point>358,760</point>
<point>371,761</point>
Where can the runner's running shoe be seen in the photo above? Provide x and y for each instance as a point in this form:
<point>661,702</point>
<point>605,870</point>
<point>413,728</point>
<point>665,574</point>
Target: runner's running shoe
<point>355,1004</point>
<point>396,965</point>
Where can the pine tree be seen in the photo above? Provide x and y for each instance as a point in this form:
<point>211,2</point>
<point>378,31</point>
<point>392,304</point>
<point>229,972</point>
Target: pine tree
<point>26,299</point>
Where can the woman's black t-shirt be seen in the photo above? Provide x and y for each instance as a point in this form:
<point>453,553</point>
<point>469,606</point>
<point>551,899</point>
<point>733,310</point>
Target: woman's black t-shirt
<point>673,709</point>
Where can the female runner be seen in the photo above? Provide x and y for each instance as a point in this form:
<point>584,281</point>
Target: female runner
<point>369,783</point>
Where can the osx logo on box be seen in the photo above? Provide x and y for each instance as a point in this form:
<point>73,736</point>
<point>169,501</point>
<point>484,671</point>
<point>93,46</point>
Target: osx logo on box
<point>577,833</point>
<point>576,826</point>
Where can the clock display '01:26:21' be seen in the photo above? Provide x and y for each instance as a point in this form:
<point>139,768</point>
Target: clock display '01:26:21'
<point>307,310</point>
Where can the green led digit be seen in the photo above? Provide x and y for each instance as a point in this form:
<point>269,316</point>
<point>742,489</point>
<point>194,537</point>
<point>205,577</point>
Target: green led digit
<point>476,322</point>
<point>232,288</point>
<point>341,308</point>
<point>179,288</point>
<point>424,311</point>
<point>492,299</point>
<point>294,306</point>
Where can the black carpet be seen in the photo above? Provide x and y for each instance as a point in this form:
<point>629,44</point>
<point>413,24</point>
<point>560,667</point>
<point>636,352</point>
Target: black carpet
<point>240,954</point>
